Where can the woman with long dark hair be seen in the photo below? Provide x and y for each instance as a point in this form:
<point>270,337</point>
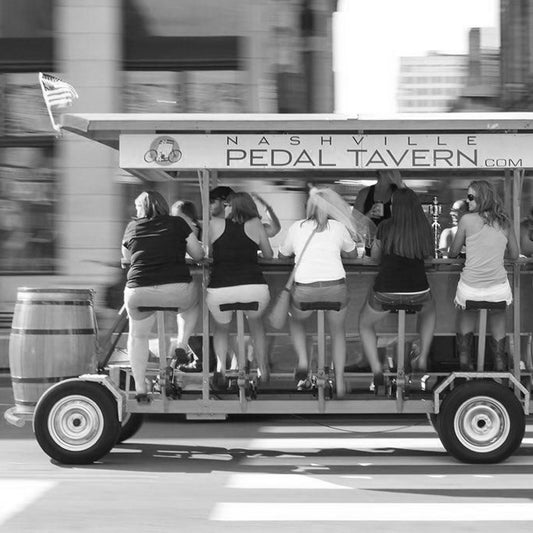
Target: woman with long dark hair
<point>154,245</point>
<point>402,244</point>
<point>237,277</point>
<point>488,235</point>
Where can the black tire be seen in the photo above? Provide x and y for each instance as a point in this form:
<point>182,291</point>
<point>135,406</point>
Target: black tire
<point>481,422</point>
<point>433,419</point>
<point>130,425</point>
<point>76,422</point>
<point>150,156</point>
<point>174,156</point>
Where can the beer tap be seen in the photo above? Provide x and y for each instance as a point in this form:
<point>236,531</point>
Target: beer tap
<point>435,210</point>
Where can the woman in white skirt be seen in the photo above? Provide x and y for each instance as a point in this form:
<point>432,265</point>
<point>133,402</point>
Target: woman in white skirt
<point>488,235</point>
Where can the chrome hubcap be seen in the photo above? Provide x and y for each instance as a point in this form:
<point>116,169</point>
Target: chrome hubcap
<point>482,424</point>
<point>75,423</point>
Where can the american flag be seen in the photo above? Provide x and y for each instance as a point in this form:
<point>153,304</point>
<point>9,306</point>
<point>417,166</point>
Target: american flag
<point>56,93</point>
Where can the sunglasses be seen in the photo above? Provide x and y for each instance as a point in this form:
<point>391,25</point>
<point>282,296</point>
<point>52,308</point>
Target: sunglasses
<point>470,197</point>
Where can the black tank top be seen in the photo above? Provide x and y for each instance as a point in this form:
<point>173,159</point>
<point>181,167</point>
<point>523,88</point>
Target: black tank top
<point>235,259</point>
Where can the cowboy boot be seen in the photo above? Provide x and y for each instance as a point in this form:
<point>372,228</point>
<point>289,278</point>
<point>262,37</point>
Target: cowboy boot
<point>464,345</point>
<point>499,354</point>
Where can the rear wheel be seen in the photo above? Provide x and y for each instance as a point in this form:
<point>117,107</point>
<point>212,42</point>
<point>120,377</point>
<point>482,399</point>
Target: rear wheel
<point>481,422</point>
<point>76,422</point>
<point>131,423</point>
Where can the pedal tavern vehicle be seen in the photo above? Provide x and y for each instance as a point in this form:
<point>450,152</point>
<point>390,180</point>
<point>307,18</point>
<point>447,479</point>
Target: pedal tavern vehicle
<point>479,416</point>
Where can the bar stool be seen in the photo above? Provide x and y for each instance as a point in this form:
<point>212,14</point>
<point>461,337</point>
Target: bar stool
<point>483,307</point>
<point>243,381</point>
<point>322,377</point>
<point>166,372</point>
<point>401,309</point>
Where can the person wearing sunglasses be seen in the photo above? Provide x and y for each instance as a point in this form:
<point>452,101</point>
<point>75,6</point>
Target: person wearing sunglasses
<point>487,233</point>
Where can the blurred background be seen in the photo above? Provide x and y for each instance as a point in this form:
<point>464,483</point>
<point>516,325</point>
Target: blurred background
<point>64,203</point>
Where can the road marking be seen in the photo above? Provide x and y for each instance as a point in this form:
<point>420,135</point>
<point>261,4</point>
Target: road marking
<point>16,495</point>
<point>372,512</point>
<point>280,481</point>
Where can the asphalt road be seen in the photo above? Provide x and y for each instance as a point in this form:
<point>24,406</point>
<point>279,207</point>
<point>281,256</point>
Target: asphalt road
<point>280,474</point>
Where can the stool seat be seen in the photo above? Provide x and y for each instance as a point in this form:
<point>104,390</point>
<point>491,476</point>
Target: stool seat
<point>482,304</point>
<point>320,306</point>
<point>410,309</point>
<point>239,306</point>
<point>157,308</point>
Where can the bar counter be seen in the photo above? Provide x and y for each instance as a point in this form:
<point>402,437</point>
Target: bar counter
<point>443,275</point>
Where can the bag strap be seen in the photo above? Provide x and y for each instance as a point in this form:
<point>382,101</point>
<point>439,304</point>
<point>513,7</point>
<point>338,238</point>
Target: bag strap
<point>290,281</point>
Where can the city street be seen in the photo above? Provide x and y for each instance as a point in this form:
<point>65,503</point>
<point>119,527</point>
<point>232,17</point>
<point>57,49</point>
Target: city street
<point>274,473</point>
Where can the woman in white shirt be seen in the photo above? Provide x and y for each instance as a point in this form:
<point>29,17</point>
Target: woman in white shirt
<point>320,276</point>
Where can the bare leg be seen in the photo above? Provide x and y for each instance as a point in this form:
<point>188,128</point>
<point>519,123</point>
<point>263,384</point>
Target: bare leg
<point>257,329</point>
<point>466,321</point>
<point>297,329</point>
<point>496,320</point>
<point>220,344</point>
<point>186,321</point>
<point>337,331</point>
<point>367,331</point>
<point>426,329</point>
<point>138,350</point>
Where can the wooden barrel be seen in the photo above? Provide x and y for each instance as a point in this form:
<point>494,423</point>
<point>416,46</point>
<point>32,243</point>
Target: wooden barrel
<point>53,337</point>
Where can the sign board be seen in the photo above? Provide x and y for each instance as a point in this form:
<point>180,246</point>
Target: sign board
<point>326,151</point>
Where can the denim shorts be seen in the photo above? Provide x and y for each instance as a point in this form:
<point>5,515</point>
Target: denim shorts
<point>326,291</point>
<point>377,299</point>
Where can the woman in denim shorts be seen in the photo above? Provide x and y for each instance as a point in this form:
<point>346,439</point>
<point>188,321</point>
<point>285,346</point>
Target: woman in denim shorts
<point>402,243</point>
<point>320,275</point>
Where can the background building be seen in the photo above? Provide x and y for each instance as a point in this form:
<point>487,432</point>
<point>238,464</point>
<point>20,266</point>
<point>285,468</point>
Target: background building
<point>64,204</point>
<point>430,83</point>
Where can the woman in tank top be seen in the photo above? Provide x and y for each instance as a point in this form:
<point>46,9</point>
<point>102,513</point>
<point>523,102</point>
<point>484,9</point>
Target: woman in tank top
<point>402,244</point>
<point>237,277</point>
<point>488,235</point>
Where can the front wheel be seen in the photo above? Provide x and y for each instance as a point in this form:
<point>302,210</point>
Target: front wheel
<point>481,422</point>
<point>76,422</point>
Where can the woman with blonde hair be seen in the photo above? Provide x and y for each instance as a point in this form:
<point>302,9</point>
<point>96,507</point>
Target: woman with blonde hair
<point>320,275</point>
<point>487,233</point>
<point>154,244</point>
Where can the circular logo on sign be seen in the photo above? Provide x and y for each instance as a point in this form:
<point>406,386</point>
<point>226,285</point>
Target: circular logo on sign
<point>163,151</point>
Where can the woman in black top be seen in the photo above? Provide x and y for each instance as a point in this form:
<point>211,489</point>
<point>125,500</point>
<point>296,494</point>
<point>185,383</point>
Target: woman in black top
<point>236,276</point>
<point>375,201</point>
<point>402,243</point>
<point>154,244</point>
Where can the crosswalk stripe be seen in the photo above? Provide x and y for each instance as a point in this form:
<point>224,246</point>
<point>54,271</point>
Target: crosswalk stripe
<point>17,494</point>
<point>372,512</point>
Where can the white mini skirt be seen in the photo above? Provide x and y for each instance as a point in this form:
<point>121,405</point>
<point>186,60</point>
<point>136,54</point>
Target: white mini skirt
<point>494,293</point>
